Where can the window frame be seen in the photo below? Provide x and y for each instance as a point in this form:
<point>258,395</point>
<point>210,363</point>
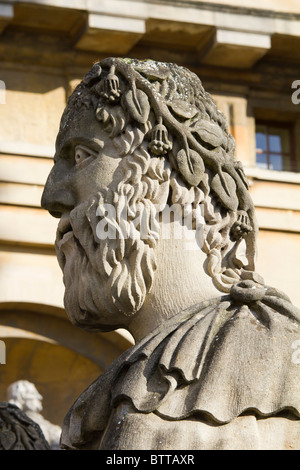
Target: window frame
<point>294,164</point>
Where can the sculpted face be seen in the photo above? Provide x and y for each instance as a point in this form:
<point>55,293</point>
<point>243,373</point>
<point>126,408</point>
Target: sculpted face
<point>147,131</point>
<point>106,280</point>
<point>86,168</point>
<point>84,164</point>
<point>25,395</point>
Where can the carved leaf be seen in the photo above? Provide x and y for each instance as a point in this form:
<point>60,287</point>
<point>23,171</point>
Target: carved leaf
<point>240,255</point>
<point>7,439</point>
<point>208,132</point>
<point>225,188</point>
<point>137,104</point>
<point>153,71</point>
<point>190,166</point>
<point>183,109</point>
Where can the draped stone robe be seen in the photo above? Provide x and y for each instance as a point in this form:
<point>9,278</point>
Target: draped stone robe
<point>224,374</point>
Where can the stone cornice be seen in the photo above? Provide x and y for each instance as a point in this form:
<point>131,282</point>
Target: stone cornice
<point>223,8</point>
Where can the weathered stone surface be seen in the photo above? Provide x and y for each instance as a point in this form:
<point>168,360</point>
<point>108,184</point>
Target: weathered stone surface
<point>215,362</point>
<point>18,431</point>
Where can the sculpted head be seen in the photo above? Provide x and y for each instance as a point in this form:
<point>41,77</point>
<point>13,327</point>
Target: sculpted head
<point>25,395</point>
<point>135,138</point>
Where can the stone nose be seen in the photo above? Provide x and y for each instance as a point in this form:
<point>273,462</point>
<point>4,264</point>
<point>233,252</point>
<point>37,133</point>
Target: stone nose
<point>57,197</point>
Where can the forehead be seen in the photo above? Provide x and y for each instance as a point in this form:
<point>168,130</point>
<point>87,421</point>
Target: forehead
<point>79,126</point>
<point>32,392</point>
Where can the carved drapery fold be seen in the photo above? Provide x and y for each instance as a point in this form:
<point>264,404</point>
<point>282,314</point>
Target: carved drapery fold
<point>239,362</point>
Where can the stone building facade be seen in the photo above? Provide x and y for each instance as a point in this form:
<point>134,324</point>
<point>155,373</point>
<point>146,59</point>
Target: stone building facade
<point>248,58</point>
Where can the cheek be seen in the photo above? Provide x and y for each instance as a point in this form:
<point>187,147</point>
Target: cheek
<point>102,174</point>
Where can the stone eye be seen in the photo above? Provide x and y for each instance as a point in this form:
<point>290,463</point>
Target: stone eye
<point>80,155</point>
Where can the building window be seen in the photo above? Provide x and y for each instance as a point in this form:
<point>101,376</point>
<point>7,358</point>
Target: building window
<point>274,147</point>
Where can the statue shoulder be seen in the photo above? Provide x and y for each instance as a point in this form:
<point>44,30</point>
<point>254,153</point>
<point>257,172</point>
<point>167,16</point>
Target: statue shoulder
<point>212,362</point>
<point>18,431</point>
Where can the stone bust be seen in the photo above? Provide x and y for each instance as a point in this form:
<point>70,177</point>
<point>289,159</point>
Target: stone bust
<point>157,234</point>
<point>26,397</point>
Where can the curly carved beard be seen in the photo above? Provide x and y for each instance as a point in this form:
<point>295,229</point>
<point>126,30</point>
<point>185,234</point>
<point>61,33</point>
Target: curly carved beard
<point>106,281</point>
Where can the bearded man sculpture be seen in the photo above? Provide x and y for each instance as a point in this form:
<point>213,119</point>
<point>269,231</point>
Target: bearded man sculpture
<point>212,367</point>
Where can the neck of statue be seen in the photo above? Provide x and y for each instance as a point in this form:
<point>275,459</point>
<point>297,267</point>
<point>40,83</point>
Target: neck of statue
<point>180,281</point>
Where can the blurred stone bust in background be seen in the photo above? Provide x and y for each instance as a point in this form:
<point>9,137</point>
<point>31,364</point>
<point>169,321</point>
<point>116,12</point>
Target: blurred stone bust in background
<point>25,396</point>
<point>157,234</point>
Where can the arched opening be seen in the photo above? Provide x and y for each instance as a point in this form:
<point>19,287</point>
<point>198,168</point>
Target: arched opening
<point>43,347</point>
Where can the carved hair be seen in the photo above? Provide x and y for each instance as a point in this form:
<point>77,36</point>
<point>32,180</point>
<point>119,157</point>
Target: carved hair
<point>160,117</point>
<point>134,266</point>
